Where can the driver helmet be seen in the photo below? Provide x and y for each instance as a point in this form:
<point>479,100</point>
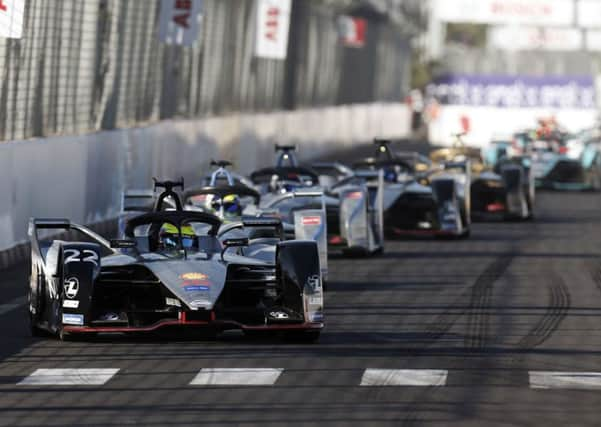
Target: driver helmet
<point>169,236</point>
<point>232,206</point>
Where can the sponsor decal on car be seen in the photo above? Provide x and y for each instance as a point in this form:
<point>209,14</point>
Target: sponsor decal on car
<point>314,282</point>
<point>196,288</point>
<point>194,276</point>
<point>354,195</point>
<point>200,303</point>
<point>68,303</point>
<point>195,279</point>
<point>71,287</point>
<point>172,301</point>
<point>311,220</point>
<point>73,319</point>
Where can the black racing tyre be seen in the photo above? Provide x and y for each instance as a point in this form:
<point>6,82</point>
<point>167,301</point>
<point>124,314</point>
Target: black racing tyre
<point>34,329</point>
<point>63,336</point>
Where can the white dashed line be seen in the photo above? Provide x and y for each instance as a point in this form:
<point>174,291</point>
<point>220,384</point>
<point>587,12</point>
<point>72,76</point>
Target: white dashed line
<point>12,305</point>
<point>404,377</point>
<point>236,376</point>
<point>69,377</point>
<point>565,380</point>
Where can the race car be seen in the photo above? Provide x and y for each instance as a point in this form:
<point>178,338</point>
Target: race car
<point>419,200</point>
<point>302,213</point>
<point>172,271</point>
<point>500,188</point>
<point>353,206</point>
<point>569,164</point>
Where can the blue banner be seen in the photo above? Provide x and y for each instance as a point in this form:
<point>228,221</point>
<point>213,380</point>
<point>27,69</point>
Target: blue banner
<point>514,91</point>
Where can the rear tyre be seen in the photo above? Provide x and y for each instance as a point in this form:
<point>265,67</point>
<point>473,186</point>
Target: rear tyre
<point>35,331</point>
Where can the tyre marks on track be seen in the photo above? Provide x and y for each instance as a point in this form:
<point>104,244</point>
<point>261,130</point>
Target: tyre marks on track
<point>596,274</point>
<point>480,296</point>
<point>559,304</point>
<point>478,321</point>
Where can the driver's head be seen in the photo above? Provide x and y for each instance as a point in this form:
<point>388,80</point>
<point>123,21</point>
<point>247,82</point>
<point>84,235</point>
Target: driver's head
<point>232,206</point>
<point>169,237</point>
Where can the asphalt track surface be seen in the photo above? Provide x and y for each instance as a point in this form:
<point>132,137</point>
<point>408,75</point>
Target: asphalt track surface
<point>502,329</point>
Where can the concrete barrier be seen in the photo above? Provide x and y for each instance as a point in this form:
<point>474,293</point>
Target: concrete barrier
<point>82,177</point>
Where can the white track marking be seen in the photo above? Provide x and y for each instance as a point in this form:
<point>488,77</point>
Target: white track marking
<point>69,377</point>
<point>404,377</point>
<point>236,376</point>
<point>12,305</point>
<point>570,380</point>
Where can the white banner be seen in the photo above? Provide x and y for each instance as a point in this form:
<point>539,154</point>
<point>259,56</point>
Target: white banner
<point>528,12</point>
<point>535,38</point>
<point>11,18</point>
<point>180,21</point>
<point>273,22</point>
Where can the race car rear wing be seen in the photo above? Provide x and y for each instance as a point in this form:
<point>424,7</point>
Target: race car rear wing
<point>255,222</point>
<point>137,200</point>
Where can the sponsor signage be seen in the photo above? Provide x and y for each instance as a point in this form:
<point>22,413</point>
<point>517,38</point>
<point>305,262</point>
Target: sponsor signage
<point>352,31</point>
<point>311,220</point>
<point>273,22</point>
<point>535,38</point>
<point>514,91</point>
<point>180,21</point>
<point>11,18</point>
<point>528,12</point>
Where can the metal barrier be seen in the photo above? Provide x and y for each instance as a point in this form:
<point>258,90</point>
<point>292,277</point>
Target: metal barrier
<point>89,65</point>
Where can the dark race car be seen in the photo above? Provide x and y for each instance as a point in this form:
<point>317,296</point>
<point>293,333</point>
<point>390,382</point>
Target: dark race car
<point>419,199</point>
<point>172,270</point>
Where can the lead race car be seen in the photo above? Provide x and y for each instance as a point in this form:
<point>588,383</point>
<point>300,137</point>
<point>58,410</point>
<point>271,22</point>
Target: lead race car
<point>172,271</point>
<point>419,199</point>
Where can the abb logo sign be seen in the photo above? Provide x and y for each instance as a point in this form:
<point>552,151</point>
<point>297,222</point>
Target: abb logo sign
<point>182,18</point>
<point>11,18</point>
<point>273,22</point>
<point>180,21</point>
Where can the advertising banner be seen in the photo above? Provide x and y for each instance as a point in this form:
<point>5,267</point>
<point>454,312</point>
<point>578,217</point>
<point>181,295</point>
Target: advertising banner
<point>180,21</point>
<point>352,31</point>
<point>514,91</point>
<point>528,12</point>
<point>11,18</point>
<point>273,22</point>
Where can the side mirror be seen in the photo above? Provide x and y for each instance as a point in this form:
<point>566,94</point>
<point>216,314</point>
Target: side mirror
<point>232,243</point>
<point>123,244</point>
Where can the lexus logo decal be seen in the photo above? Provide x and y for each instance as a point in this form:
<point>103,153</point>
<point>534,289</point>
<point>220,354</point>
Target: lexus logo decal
<point>71,287</point>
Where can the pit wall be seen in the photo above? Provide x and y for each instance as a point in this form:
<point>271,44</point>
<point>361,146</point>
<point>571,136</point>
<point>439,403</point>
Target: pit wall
<point>487,123</point>
<point>82,177</point>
